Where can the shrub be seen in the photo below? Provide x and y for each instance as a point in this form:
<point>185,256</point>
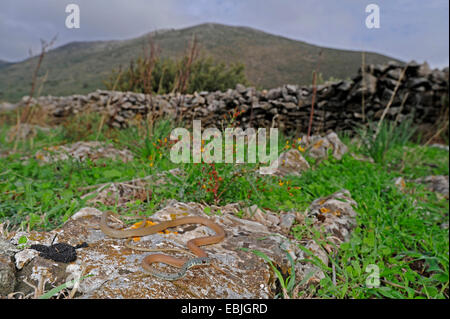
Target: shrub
<point>205,74</point>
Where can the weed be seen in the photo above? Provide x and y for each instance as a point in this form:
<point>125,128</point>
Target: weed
<point>378,140</point>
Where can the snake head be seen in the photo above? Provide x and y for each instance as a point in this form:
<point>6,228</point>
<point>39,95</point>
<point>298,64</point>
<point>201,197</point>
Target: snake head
<point>205,261</point>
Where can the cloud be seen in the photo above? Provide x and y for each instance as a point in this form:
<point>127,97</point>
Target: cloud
<point>409,29</point>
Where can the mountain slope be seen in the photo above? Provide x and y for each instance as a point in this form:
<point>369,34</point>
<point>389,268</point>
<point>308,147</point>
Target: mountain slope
<point>81,67</point>
<point>4,64</point>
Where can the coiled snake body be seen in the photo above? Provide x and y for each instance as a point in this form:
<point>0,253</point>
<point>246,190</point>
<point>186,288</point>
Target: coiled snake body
<point>182,263</point>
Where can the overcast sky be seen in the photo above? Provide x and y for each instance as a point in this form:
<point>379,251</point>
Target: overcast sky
<point>409,29</point>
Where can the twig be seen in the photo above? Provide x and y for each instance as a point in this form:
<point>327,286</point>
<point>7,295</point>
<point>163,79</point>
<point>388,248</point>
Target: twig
<point>363,72</point>
<point>313,96</point>
<point>32,286</point>
<point>26,114</point>
<point>312,105</point>
<point>94,186</point>
<point>75,287</point>
<point>401,107</point>
<point>333,267</point>
<point>102,121</point>
<point>437,133</point>
<point>388,106</point>
<point>400,286</point>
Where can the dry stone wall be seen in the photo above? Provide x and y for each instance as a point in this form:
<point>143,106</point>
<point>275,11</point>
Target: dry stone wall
<point>421,91</point>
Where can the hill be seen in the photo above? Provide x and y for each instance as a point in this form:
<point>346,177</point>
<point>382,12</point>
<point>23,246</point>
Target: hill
<point>270,60</point>
<point>4,64</point>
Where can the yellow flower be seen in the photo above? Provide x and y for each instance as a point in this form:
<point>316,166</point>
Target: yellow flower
<point>280,183</point>
<point>151,164</point>
<point>324,210</point>
<point>301,149</point>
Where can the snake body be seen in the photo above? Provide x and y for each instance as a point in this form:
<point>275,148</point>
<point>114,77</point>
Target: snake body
<point>200,261</point>
<point>182,263</point>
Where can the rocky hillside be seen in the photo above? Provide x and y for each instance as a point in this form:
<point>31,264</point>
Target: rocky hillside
<point>270,60</point>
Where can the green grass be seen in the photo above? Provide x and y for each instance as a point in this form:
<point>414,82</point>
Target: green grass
<point>397,231</point>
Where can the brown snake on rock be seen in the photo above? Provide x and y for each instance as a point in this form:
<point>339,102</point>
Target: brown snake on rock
<point>182,263</point>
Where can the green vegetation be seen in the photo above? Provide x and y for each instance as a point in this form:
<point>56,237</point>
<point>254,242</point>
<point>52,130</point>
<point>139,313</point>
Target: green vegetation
<point>205,75</point>
<point>378,140</point>
<point>270,61</point>
<point>400,232</point>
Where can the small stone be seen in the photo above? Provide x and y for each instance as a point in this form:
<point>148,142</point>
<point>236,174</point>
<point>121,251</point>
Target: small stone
<point>266,218</point>
<point>339,148</point>
<point>286,221</point>
<point>289,163</point>
<point>400,183</point>
<point>6,248</point>
<point>241,88</point>
<point>24,257</point>
<point>439,184</point>
<point>440,146</point>
<point>86,211</point>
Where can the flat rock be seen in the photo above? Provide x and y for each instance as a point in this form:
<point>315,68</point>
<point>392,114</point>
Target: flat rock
<point>115,270</point>
<point>317,147</point>
<point>81,151</point>
<point>121,193</point>
<point>289,163</point>
<point>118,274</point>
<point>335,214</point>
<point>334,217</point>
<point>439,184</point>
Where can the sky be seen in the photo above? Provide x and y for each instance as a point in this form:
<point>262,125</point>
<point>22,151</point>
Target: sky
<point>409,29</point>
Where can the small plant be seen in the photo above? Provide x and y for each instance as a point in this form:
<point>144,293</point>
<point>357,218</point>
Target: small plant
<point>52,292</point>
<point>378,140</point>
<point>288,283</point>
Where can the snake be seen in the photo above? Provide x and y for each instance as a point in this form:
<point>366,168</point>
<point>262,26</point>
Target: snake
<point>182,263</point>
